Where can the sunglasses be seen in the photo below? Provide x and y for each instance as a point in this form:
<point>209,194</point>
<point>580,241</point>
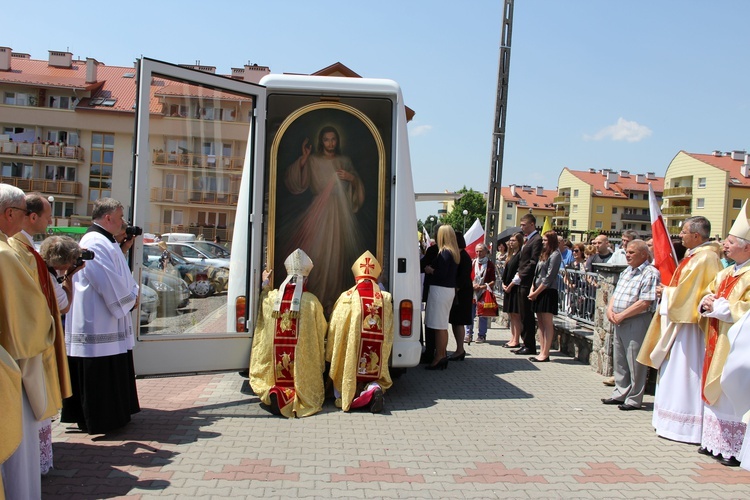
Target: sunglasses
<point>24,210</point>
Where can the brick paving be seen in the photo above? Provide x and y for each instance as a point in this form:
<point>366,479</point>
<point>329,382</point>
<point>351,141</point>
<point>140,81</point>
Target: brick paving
<point>493,426</point>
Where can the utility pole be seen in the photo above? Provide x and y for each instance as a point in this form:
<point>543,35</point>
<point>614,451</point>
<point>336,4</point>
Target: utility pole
<point>498,133</point>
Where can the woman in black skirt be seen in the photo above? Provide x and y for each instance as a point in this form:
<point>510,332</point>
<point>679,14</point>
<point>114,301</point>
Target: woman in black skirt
<point>460,314</point>
<point>510,299</point>
<point>543,294</point>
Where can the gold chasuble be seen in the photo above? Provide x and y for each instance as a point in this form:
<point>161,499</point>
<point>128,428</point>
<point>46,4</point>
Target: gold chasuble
<point>683,295</point>
<point>10,401</point>
<point>288,355</point>
<point>54,359</point>
<point>360,335</point>
<point>735,287</point>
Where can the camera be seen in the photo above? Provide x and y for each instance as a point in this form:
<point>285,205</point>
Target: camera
<point>85,255</point>
<point>131,231</point>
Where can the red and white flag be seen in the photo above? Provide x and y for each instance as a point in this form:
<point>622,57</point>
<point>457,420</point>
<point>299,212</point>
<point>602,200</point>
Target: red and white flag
<point>474,236</point>
<point>665,258</point>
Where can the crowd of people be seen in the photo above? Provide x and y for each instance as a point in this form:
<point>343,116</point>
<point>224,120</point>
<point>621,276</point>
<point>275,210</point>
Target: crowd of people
<point>84,368</point>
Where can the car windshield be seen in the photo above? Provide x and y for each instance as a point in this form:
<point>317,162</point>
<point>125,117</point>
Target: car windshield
<point>212,249</point>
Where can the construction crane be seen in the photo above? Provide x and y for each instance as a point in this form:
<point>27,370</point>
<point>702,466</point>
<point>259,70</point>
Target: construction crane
<point>492,221</point>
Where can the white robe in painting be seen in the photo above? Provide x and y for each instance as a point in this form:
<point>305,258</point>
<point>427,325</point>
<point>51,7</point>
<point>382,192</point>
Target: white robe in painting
<point>327,230</point>
<point>98,323</point>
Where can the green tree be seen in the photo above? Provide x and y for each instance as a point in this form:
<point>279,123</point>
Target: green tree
<point>474,204</point>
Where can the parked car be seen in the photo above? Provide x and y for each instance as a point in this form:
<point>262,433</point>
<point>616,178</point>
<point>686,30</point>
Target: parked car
<point>203,280</point>
<point>172,291</point>
<point>212,249</point>
<point>149,304</point>
<point>192,253</point>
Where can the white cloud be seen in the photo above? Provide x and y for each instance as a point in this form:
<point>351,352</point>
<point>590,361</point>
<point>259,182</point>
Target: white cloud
<point>418,130</point>
<point>623,130</point>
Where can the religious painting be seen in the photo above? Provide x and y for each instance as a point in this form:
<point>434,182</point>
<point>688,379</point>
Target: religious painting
<point>327,193</point>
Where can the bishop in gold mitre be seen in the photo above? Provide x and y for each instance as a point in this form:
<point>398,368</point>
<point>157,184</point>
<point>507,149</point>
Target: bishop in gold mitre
<point>288,355</point>
<point>360,339</point>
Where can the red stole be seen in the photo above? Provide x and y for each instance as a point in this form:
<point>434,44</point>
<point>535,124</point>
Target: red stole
<point>678,271</point>
<point>371,331</point>
<point>284,348</point>
<point>45,282</point>
<point>725,288</point>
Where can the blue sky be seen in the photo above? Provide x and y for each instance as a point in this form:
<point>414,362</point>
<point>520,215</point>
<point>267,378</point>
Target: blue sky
<point>593,83</point>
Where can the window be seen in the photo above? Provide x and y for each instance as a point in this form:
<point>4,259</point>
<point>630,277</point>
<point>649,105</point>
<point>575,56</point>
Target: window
<point>574,209</point>
<point>643,227</point>
<point>701,182</point>
<point>574,223</point>
<point>60,102</point>
<point>63,208</point>
<point>509,204</point>
<point>613,226</point>
<point>100,175</point>
<point>16,99</point>
<point>700,203</point>
<point>509,217</point>
<point>575,193</point>
<point>210,219</point>
<point>600,209</point>
<point>598,224</point>
<point>614,210</point>
<point>737,204</point>
<point>59,173</point>
<point>56,136</point>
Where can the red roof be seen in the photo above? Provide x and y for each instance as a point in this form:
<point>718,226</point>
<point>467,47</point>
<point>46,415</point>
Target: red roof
<point>727,164</point>
<point>533,200</point>
<point>620,186</point>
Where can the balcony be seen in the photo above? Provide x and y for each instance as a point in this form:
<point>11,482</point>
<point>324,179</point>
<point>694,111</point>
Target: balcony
<point>636,217</point>
<point>675,212</point>
<point>197,161</point>
<point>674,230</point>
<point>561,199</point>
<point>41,150</point>
<point>44,186</point>
<point>169,195</point>
<point>208,232</point>
<point>678,192</point>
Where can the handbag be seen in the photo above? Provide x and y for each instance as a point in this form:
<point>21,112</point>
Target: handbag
<point>487,306</point>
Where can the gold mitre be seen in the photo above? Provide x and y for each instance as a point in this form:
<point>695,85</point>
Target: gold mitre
<point>298,263</point>
<point>741,226</point>
<point>366,266</point>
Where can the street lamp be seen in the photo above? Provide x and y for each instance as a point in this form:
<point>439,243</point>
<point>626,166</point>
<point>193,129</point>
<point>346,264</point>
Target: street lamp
<point>432,225</point>
<point>465,212</point>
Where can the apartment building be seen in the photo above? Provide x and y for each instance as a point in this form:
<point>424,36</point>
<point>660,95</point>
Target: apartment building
<point>604,200</point>
<point>66,130</point>
<point>712,185</point>
<point>515,201</point>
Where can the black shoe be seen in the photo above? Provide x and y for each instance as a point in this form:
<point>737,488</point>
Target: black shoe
<point>460,357</point>
<point>508,346</point>
<point>525,350</point>
<point>610,401</point>
<point>244,373</point>
<point>534,359</point>
<point>376,404</point>
<point>440,365</point>
<point>275,404</point>
<point>704,451</point>
<point>625,407</point>
<point>730,462</point>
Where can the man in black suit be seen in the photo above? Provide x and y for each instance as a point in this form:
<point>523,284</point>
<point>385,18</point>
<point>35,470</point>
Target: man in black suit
<point>524,278</point>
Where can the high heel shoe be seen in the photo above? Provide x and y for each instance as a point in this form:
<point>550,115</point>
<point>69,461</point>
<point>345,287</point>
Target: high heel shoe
<point>440,365</point>
<point>460,357</point>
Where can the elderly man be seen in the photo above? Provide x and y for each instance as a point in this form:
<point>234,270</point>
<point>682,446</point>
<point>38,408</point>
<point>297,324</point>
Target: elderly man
<point>360,339</point>
<point>674,342</point>
<point>288,357</point>
<point>26,332</point>
<point>99,332</point>
<point>482,276</point>
<point>618,256</point>
<point>630,310</point>
<point>726,299</point>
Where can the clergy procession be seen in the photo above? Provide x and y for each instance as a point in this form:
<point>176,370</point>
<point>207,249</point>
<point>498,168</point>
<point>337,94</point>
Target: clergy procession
<point>67,338</point>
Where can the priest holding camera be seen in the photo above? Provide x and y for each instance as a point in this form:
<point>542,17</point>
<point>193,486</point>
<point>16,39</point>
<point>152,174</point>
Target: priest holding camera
<point>99,331</point>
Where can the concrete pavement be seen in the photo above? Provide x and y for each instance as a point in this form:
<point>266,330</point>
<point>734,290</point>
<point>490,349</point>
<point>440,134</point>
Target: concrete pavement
<point>492,426</point>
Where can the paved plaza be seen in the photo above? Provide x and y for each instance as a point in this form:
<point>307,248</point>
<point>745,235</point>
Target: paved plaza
<point>492,426</point>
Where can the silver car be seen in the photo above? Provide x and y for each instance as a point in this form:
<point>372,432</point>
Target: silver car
<point>192,253</point>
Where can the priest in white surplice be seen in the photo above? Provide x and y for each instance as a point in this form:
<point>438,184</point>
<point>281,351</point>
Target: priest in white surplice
<point>735,380</point>
<point>99,332</point>
<point>675,342</point>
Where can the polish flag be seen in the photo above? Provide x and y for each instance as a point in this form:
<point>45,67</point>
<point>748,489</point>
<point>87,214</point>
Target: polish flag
<point>474,236</point>
<point>665,258</point>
